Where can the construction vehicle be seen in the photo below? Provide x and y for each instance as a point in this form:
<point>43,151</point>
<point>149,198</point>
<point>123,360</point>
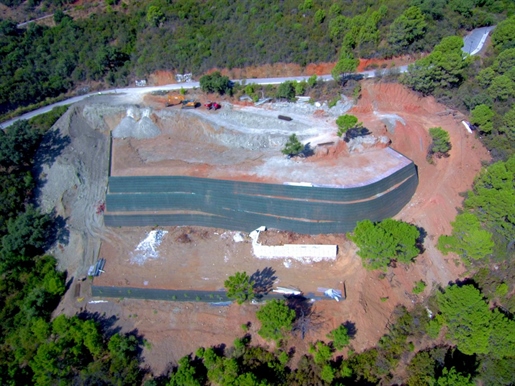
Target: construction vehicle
<point>174,100</point>
<point>213,106</point>
<point>190,104</point>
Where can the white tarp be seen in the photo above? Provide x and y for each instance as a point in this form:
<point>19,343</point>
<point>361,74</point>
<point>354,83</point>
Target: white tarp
<point>147,248</point>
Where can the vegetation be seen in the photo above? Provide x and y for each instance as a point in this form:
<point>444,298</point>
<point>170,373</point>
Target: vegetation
<point>293,146</point>
<point>340,337</point>
<point>276,320</point>
<point>346,122</point>
<point>473,320</point>
<point>419,287</point>
<point>215,82</point>
<point>382,242</point>
<point>441,142</point>
<point>239,287</point>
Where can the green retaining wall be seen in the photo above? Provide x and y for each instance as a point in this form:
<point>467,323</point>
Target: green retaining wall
<point>245,206</point>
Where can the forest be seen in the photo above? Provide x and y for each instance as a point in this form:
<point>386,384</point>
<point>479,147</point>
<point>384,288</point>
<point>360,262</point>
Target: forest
<point>130,40</point>
<point>463,334</point>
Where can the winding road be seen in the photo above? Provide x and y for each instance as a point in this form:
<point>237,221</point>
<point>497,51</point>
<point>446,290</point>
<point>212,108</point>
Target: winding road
<point>473,43</point>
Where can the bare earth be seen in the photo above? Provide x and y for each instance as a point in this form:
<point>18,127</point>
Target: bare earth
<point>205,257</point>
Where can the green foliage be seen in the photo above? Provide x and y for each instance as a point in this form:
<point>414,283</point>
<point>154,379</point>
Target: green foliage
<point>453,378</point>
<point>346,122</point>
<point>215,82</point>
<point>286,90</point>
<point>502,88</point>
<point>26,236</point>
<point>293,146</point>
<point>503,37</point>
<point>155,16</point>
<point>18,144</point>
<point>441,140</point>
<point>467,318</point>
<point>492,198</point>
<point>340,337</point>
<point>406,29</point>
<point>186,374</point>
<point>482,116</point>
<point>419,287</point>
<point>322,353</point>
<point>346,64</point>
<point>239,287</point>
<point>467,239</point>
<point>276,319</point>
<point>380,243</point>
<point>45,121</point>
<point>443,68</point>
<point>508,124</point>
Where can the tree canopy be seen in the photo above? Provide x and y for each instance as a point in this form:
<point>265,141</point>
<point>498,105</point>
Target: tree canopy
<point>215,82</point>
<point>441,141</point>
<point>467,317</point>
<point>346,122</point>
<point>239,287</point>
<point>276,319</point>
<point>381,242</point>
<point>293,146</point>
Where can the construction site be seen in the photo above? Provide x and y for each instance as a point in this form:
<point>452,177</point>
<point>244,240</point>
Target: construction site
<point>168,197</point>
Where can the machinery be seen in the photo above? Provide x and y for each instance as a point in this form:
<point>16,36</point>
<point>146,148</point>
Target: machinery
<point>213,106</point>
<point>190,104</point>
<point>174,100</point>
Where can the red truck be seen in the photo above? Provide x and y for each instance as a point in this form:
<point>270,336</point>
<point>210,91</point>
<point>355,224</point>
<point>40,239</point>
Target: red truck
<point>213,106</point>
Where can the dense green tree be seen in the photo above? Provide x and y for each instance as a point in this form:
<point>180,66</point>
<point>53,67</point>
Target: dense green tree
<point>346,122</point>
<point>482,116</point>
<point>293,146</point>
<point>453,378</point>
<point>502,337</point>
<point>186,374</point>
<point>215,82</point>
<point>155,15</point>
<point>467,239</point>
<point>286,90</point>
<point>18,144</point>
<point>502,88</point>
<point>239,287</point>
<point>443,68</point>
<point>346,64</point>
<point>508,124</point>
<point>503,37</point>
<point>380,243</point>
<point>492,198</point>
<point>276,319</point>
<point>441,140</point>
<point>27,234</point>
<point>406,29</point>
<point>340,337</point>
<point>467,318</point>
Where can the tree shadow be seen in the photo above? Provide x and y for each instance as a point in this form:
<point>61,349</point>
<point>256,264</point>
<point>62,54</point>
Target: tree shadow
<point>263,280</point>
<point>308,151</point>
<point>355,133</point>
<point>58,231</point>
<point>107,324</point>
<point>307,320</point>
<point>351,328</point>
<point>51,146</point>
<point>420,240</point>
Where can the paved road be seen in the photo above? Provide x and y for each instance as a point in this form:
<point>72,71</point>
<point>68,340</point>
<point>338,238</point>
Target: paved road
<point>475,40</point>
<point>473,43</point>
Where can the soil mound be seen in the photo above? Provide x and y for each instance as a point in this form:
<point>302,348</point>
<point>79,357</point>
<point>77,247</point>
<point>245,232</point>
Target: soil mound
<point>130,127</point>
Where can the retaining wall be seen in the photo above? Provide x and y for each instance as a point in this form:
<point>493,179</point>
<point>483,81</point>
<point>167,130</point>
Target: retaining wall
<point>236,205</point>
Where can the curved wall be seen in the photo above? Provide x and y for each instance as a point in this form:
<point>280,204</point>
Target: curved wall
<point>236,205</point>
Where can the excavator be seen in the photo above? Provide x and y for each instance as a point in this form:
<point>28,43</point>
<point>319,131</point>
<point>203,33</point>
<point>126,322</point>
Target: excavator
<point>174,100</point>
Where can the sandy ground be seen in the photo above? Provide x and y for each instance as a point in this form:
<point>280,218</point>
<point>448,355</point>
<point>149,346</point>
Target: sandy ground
<point>209,255</point>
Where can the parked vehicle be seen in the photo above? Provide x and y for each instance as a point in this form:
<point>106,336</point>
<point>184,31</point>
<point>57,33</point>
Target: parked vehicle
<point>213,106</point>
